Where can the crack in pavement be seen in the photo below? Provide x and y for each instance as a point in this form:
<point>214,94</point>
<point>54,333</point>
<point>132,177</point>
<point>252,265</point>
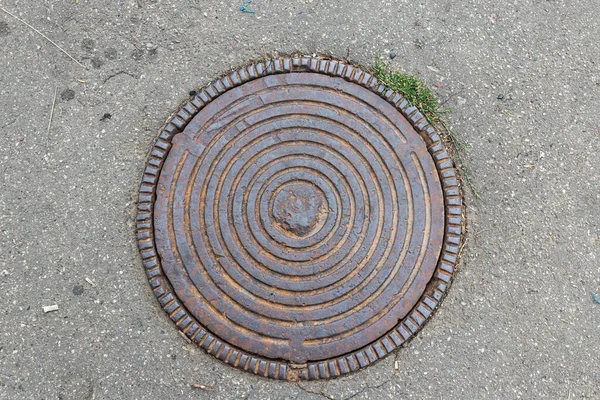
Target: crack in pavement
<point>361,391</point>
<point>119,73</point>
<point>321,393</point>
<point>10,123</point>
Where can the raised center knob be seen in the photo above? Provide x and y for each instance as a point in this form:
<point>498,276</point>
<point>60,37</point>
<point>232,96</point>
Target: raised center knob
<point>300,208</point>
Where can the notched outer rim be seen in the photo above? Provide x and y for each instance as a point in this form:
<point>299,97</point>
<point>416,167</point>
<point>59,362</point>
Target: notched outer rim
<point>278,369</point>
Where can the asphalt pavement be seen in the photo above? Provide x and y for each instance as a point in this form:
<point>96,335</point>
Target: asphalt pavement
<point>522,80</point>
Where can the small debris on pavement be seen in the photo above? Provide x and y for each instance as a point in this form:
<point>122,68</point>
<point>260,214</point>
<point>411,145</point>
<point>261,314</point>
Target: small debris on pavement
<point>203,387</point>
<point>88,280</point>
<point>106,116</point>
<point>500,96</point>
<point>396,365</point>
<point>51,308</point>
<point>595,299</point>
<point>244,8</point>
<point>192,93</point>
<point>51,115</point>
<point>434,69</point>
<point>392,56</point>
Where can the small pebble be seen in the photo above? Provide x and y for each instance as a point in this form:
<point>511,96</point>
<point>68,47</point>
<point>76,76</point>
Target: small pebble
<point>192,92</point>
<point>500,96</point>
<point>51,308</point>
<point>392,56</point>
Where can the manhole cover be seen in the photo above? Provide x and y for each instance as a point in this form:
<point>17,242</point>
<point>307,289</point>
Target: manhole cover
<point>298,220</point>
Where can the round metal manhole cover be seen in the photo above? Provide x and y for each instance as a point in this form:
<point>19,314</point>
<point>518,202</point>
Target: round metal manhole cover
<point>299,220</point>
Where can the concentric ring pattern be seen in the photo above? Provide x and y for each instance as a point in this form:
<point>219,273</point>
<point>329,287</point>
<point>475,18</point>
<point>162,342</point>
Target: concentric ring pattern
<point>299,220</point>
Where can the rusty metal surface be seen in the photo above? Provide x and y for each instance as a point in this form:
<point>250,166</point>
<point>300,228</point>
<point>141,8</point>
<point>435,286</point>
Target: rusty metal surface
<point>298,220</point>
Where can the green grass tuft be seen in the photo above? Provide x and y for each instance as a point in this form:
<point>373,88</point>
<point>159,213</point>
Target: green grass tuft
<point>419,95</point>
<point>411,87</point>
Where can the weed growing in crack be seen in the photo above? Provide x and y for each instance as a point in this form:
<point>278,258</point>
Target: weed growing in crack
<point>416,92</point>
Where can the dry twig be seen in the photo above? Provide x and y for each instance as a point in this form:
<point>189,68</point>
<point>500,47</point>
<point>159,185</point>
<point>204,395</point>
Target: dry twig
<point>42,35</point>
<point>203,387</point>
<point>51,115</point>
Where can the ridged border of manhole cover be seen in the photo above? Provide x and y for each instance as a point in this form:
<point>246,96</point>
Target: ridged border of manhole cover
<point>435,288</point>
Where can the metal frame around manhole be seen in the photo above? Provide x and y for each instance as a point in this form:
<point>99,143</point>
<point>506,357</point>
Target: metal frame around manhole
<point>278,369</point>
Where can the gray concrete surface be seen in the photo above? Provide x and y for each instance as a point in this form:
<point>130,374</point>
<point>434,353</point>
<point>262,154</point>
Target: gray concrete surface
<point>519,322</point>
